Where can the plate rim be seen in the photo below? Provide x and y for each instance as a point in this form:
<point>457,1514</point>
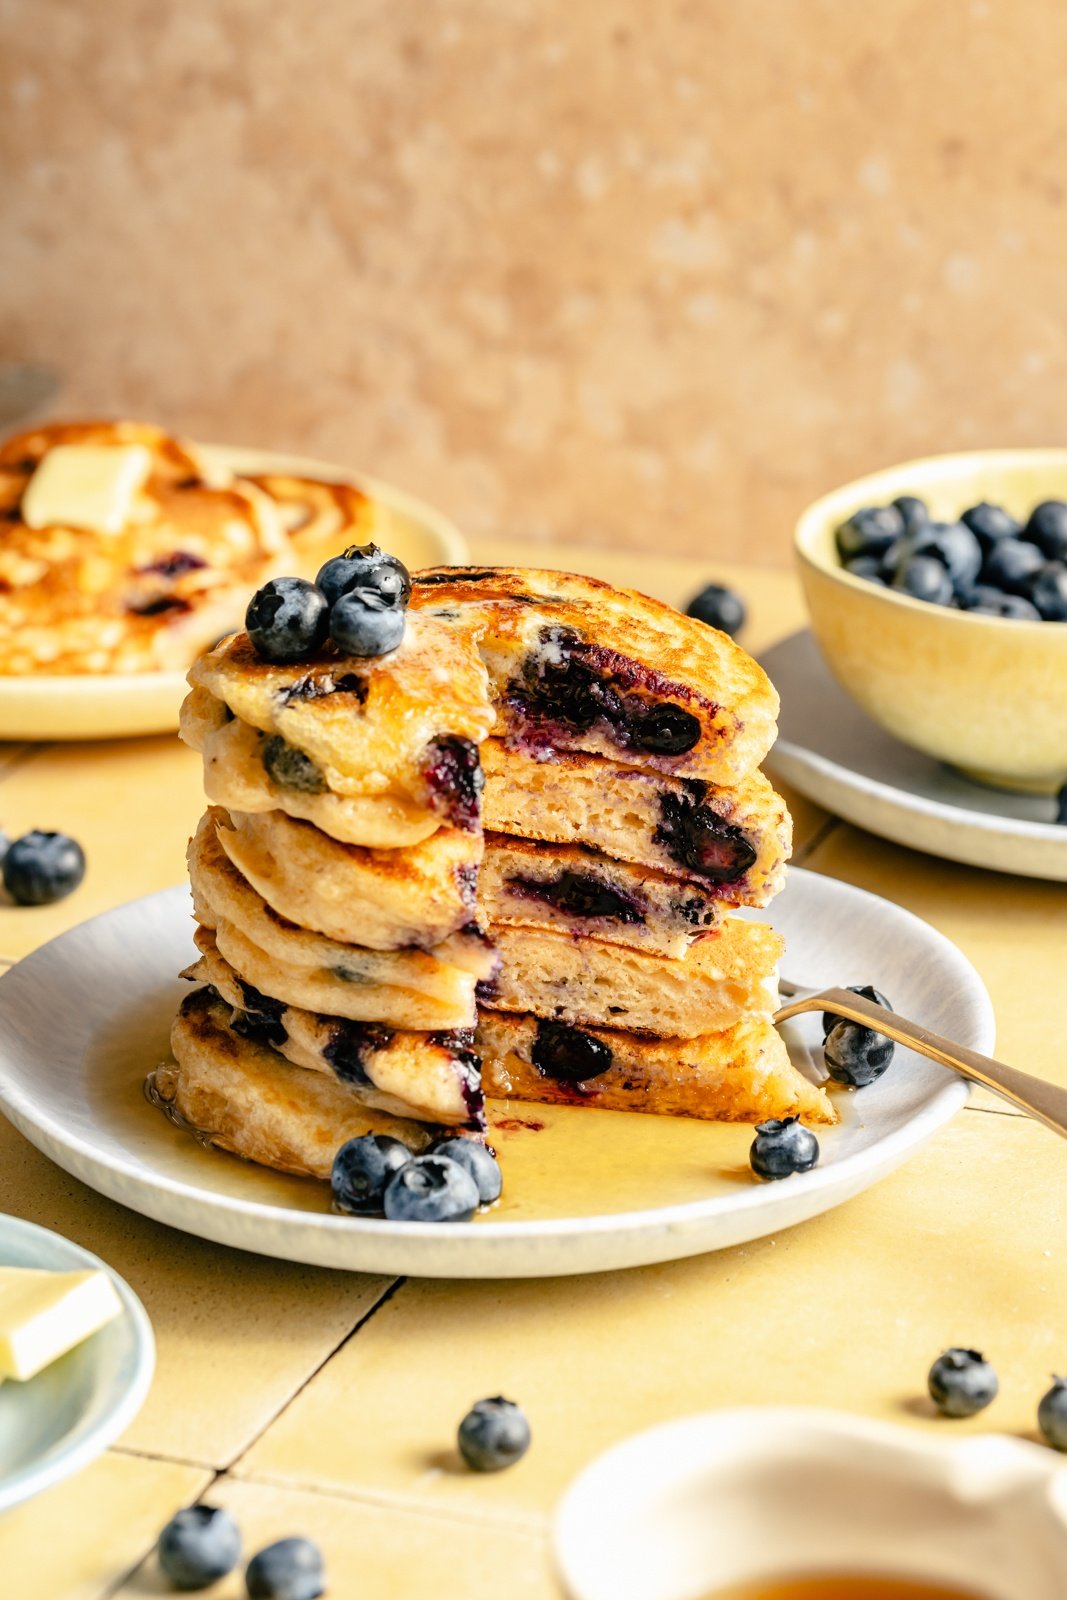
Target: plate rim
<point>495,1237</point>
<point>63,1458</point>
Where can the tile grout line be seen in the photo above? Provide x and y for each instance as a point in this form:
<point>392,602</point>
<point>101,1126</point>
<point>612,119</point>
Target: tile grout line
<point>817,840</point>
<point>372,1311</point>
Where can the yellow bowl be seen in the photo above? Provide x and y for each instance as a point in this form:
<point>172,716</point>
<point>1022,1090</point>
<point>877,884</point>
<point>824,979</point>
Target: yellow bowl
<point>985,694</point>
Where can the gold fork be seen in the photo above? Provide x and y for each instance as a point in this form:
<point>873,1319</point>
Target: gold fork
<point>1045,1101</point>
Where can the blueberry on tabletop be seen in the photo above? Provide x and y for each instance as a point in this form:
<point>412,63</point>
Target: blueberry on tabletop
<point>855,1054</point>
<point>869,532</point>
<point>913,511</point>
<point>431,1189</point>
<point>868,567</point>
<point>867,991</point>
<point>719,607</point>
<point>1047,528</point>
<point>1052,1414</point>
<point>989,524</point>
<point>1011,564</point>
<point>198,1546</point>
<point>476,1159</point>
<point>962,1383</point>
<point>781,1147</point>
<point>365,566</point>
<point>925,578</point>
<point>361,624</point>
<point>41,868</point>
<point>361,1170</point>
<point>291,1569</point>
<point>995,603</point>
<point>1061,807</point>
<point>290,768</point>
<point>287,619</point>
<point>494,1434</point>
<point>1048,592</point>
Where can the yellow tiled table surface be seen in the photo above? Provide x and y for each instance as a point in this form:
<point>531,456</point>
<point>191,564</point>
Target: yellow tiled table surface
<point>325,1403</point>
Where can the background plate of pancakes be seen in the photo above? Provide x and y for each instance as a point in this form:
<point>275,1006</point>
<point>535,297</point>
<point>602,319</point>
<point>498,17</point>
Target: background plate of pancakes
<point>118,704</point>
<point>584,1190</point>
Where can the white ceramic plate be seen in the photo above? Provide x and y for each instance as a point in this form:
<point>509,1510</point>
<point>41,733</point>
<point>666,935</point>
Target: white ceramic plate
<point>58,1422</point>
<point>85,1018</point>
<point>124,705</point>
<point>829,750</point>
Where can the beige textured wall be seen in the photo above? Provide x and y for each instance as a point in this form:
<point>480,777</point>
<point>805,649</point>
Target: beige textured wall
<point>604,271</point>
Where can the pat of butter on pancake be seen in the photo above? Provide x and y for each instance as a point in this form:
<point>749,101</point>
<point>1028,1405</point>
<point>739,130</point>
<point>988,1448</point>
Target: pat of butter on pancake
<point>45,1314</point>
<point>86,486</point>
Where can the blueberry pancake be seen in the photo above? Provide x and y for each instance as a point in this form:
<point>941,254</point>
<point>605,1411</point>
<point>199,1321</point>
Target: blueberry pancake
<point>315,511</point>
<point>248,770</point>
<point>244,1097</point>
<point>433,1077</point>
<point>728,974</point>
<point>401,988</point>
<point>575,664</point>
<point>734,841</point>
<point>587,894</point>
<point>119,553</point>
<point>405,725</point>
<point>742,1074</point>
<point>383,899</point>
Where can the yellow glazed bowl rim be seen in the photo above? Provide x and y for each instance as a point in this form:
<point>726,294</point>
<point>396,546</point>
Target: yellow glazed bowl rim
<point>813,538</point>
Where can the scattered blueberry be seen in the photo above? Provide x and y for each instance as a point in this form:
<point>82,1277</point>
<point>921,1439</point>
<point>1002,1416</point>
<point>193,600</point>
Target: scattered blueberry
<point>856,1055</point>
<point>962,1383</point>
<point>867,991</point>
<point>365,566</point>
<point>869,532</point>
<point>719,608</point>
<point>1011,565</point>
<point>361,624</point>
<point>1047,529</point>
<point>913,511</point>
<point>1061,807</point>
<point>431,1189</point>
<point>41,868</point>
<point>782,1147</point>
<point>292,1569</point>
<point>287,619</point>
<point>476,1159</point>
<point>494,1434</point>
<point>995,603</point>
<point>1048,592</point>
<point>198,1546</point>
<point>1052,1415</point>
<point>361,1170</point>
<point>925,578</point>
<point>989,524</point>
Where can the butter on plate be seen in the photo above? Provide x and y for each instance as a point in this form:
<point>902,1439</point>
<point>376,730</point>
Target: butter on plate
<point>45,1314</point>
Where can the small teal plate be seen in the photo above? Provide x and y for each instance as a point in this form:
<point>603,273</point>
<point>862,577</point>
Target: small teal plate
<point>58,1422</point>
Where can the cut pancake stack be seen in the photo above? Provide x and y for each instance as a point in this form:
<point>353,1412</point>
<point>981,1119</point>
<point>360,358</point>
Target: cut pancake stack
<point>334,879</point>
<point>626,820</point>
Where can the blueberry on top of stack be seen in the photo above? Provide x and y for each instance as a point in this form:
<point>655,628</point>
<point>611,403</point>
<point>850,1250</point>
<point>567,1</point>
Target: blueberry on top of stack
<point>334,875</point>
<point>987,562</point>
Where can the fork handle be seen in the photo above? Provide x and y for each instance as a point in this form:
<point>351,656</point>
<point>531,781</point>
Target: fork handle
<point>1045,1101</point>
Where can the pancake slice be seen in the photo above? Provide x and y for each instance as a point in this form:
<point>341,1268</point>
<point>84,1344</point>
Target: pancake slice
<point>248,770</point>
<point>725,976</point>
<point>525,883</point>
<point>243,1097</point>
<point>382,899</point>
<point>575,664</point>
<point>432,1077</point>
<point>734,841</point>
<point>742,1074</point>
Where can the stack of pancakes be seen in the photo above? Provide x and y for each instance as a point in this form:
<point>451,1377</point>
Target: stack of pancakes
<point>334,879</point>
<point>351,913</point>
<point>626,820</point>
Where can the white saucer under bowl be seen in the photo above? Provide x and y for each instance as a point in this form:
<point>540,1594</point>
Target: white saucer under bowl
<point>85,1018</point>
<point>59,1421</point>
<point>830,751</point>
